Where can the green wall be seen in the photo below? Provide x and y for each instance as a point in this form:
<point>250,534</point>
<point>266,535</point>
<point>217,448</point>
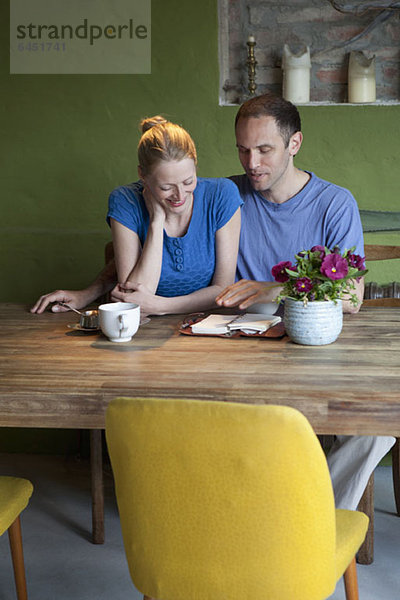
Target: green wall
<point>68,140</point>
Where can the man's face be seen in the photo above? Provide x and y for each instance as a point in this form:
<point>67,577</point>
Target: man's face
<point>262,152</point>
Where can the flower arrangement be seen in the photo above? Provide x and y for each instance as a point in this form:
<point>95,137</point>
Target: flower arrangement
<point>320,274</point>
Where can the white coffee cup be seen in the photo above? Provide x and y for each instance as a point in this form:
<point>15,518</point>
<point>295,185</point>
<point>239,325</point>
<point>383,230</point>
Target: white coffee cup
<point>119,321</point>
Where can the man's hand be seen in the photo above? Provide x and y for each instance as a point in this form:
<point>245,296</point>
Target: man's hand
<point>75,298</point>
<point>245,292</point>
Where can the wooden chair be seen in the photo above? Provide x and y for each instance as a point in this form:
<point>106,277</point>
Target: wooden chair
<point>365,556</point>
<point>209,509</point>
<point>14,496</point>
<point>382,252</point>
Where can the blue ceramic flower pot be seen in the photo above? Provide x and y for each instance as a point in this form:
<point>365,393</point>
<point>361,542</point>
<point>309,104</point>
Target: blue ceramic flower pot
<point>315,324</point>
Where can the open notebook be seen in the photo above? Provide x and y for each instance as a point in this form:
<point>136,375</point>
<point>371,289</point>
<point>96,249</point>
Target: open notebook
<point>248,323</point>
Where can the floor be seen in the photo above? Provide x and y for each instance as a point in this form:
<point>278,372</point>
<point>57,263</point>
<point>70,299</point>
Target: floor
<point>62,564</point>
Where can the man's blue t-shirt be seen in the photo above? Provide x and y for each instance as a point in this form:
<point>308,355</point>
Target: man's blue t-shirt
<point>322,213</point>
<point>188,262</point>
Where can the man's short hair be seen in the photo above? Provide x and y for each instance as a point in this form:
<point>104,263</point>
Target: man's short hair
<point>284,112</point>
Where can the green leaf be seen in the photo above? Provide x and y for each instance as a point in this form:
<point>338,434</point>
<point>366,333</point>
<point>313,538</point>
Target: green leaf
<point>292,273</point>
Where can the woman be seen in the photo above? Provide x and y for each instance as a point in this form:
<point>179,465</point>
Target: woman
<point>175,236</point>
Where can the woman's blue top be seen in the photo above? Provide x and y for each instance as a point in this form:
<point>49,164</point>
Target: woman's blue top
<point>188,262</point>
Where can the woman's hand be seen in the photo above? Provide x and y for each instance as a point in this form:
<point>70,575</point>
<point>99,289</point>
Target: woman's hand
<point>150,304</point>
<point>156,210</point>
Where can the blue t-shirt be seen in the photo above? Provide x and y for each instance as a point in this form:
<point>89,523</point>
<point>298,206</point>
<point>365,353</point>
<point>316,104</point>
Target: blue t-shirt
<point>322,213</point>
<point>188,262</point>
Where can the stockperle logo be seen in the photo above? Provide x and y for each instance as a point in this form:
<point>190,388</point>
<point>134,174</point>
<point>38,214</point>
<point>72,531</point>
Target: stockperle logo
<point>80,36</point>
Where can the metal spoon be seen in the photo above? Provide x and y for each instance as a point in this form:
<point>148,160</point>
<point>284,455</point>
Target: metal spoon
<point>70,307</point>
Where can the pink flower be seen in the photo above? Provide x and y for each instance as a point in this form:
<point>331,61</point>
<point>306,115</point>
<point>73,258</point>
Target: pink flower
<point>320,249</point>
<point>303,284</point>
<point>334,266</point>
<point>356,261</point>
<point>279,273</point>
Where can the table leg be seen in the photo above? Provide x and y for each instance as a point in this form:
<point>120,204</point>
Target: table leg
<point>96,467</point>
<point>365,555</point>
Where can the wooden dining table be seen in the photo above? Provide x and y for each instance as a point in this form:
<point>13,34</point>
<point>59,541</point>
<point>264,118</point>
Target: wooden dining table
<point>55,376</point>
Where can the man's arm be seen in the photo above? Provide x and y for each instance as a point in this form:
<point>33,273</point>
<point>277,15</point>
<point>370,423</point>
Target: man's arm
<point>104,282</point>
<point>244,293</point>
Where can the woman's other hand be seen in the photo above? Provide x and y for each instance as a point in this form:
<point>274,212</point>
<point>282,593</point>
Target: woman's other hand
<point>130,291</point>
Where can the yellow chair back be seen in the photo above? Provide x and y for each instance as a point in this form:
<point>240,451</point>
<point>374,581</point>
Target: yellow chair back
<point>222,501</point>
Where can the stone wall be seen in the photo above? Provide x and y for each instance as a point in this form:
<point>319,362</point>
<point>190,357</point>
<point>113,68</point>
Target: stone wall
<point>316,23</point>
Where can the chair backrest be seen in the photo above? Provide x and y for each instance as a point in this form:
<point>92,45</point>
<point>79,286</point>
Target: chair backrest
<point>222,500</point>
<point>381,252</point>
<point>381,295</point>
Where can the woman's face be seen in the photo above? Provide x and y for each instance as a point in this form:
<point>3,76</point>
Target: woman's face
<point>172,183</point>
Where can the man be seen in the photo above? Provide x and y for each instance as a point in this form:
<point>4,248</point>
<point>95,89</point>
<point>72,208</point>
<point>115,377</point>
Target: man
<point>285,210</point>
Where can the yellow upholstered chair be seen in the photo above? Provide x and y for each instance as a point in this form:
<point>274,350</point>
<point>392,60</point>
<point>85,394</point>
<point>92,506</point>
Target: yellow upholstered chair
<point>213,506</point>
<point>14,497</point>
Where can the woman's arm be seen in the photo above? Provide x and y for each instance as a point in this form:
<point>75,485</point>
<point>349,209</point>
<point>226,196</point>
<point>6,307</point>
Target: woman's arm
<point>227,243</point>
<point>127,249</point>
<point>134,263</point>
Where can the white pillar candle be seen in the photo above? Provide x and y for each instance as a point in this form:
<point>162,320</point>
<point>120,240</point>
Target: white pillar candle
<point>251,39</point>
<point>296,75</point>
<point>361,78</point>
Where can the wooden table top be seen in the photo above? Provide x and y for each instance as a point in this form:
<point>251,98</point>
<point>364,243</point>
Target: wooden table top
<point>52,376</point>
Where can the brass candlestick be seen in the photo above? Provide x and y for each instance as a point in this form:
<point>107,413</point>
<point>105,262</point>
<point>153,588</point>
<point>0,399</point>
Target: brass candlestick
<point>251,65</point>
